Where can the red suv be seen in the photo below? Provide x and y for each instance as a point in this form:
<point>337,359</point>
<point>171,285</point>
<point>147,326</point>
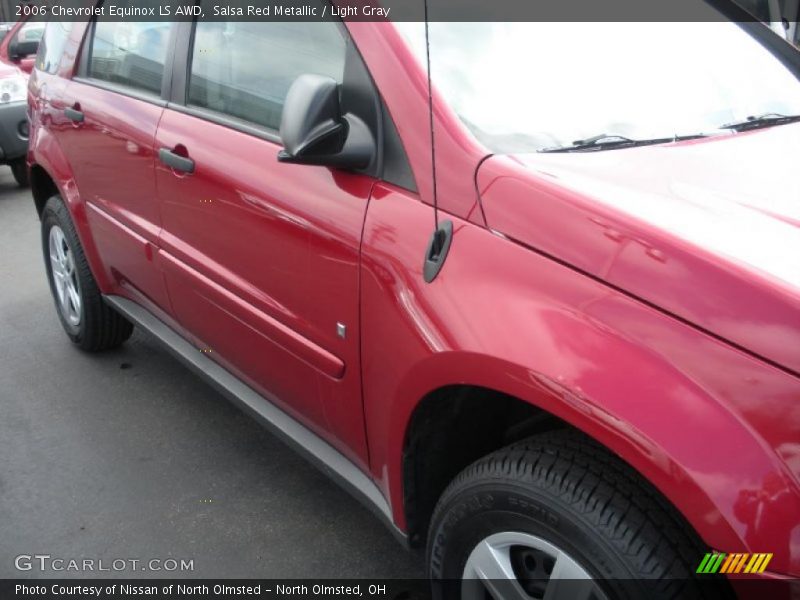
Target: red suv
<point>545,321</point>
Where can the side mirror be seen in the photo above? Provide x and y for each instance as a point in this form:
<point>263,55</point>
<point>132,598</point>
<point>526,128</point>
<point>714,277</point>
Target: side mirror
<point>18,49</point>
<point>314,131</point>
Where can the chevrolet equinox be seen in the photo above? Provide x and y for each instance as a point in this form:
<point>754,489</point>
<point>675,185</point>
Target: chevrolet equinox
<point>531,291</point>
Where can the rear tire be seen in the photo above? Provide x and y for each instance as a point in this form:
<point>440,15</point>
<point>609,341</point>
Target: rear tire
<point>554,504</point>
<point>89,322</point>
<point>20,171</point>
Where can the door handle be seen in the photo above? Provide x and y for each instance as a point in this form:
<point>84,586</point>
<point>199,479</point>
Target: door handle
<point>176,161</point>
<point>73,114</point>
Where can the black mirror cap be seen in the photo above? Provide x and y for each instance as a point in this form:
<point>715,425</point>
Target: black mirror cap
<point>312,121</point>
<point>314,131</point>
<point>17,49</point>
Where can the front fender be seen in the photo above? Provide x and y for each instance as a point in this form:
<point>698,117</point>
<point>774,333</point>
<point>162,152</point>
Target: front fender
<point>713,428</point>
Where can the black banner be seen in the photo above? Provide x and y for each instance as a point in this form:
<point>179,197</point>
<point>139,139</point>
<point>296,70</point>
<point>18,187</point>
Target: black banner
<point>383,10</point>
<point>207,589</point>
<point>385,589</point>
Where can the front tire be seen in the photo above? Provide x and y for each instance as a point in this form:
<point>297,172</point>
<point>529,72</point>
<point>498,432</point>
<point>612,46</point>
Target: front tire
<point>89,322</point>
<point>558,516</point>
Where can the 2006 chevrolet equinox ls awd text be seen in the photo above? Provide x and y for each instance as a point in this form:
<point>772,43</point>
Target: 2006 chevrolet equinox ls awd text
<point>585,365</point>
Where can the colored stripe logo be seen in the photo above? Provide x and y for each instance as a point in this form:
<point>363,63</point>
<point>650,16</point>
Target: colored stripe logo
<point>720,562</point>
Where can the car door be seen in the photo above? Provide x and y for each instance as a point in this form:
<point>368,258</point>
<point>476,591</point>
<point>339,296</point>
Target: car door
<point>111,109</point>
<point>261,257</point>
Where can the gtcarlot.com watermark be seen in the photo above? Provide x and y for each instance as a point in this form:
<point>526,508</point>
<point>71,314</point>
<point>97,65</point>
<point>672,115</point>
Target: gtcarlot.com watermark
<point>48,563</point>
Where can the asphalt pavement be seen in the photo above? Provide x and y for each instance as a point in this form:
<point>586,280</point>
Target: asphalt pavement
<point>127,455</point>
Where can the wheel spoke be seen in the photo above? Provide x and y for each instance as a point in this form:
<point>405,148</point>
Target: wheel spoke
<point>69,266</point>
<point>57,270</point>
<point>492,565</point>
<point>60,242</point>
<point>61,294</point>
<point>569,581</point>
<point>74,297</point>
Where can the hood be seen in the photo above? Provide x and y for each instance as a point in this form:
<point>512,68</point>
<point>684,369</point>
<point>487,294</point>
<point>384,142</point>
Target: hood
<point>708,230</point>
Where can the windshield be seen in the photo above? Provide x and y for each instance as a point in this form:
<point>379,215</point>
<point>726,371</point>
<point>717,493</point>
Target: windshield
<point>523,87</point>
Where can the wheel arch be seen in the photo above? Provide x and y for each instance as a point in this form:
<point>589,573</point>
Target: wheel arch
<point>50,174</point>
<point>43,187</point>
<point>549,404</point>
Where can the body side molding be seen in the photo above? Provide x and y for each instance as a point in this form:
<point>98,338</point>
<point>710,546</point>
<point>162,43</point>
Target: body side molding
<point>324,456</point>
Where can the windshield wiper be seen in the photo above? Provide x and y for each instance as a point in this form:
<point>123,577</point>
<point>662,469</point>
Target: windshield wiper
<point>758,121</point>
<point>606,141</point>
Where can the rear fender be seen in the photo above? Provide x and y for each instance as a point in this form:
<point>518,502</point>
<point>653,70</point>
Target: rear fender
<point>46,154</point>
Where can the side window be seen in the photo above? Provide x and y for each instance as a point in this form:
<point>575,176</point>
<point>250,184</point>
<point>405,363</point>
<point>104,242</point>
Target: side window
<point>132,54</point>
<point>244,70</point>
<point>52,45</point>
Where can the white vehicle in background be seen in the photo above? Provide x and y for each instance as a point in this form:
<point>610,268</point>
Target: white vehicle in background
<point>19,43</point>
<point>14,121</point>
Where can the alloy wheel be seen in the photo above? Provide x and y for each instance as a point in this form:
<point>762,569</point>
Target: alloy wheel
<point>65,276</point>
<point>520,566</point>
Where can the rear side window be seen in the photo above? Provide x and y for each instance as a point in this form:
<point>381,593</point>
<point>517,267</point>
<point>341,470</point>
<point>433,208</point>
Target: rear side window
<point>51,46</point>
<point>131,54</point>
<point>244,70</point>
